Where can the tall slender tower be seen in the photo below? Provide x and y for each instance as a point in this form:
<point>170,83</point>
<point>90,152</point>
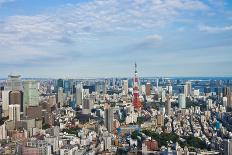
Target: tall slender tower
<point>136,100</point>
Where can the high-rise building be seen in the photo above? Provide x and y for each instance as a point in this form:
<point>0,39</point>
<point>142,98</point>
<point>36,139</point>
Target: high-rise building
<point>79,94</point>
<point>14,112</point>
<point>227,146</point>
<point>31,93</point>
<point>67,86</point>
<point>108,122</point>
<point>87,105</point>
<point>5,102</point>
<point>16,97</point>
<point>182,101</point>
<point>188,88</point>
<point>14,82</point>
<point>160,120</point>
<point>148,89</point>
<point>168,106</point>
<point>60,97</point>
<point>60,83</point>
<point>136,99</point>
<point>125,87</point>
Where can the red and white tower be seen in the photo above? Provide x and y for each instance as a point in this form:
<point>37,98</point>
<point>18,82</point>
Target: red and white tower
<point>136,100</point>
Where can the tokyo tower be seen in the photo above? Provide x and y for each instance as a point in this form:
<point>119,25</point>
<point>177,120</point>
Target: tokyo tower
<point>136,100</point>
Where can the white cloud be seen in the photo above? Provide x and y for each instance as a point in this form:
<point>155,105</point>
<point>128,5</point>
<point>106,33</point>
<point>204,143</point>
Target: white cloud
<point>77,22</point>
<point>154,37</point>
<point>5,1</point>
<point>211,29</point>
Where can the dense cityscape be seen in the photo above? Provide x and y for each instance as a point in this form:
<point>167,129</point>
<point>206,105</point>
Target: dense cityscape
<point>135,115</point>
<point>115,77</point>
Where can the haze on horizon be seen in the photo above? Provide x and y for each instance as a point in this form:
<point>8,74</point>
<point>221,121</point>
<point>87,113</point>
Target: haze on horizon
<point>103,38</point>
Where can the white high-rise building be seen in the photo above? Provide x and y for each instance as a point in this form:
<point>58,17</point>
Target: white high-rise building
<point>14,82</point>
<point>188,89</point>
<point>125,87</point>
<point>224,100</point>
<point>182,101</point>
<point>14,112</point>
<point>5,102</point>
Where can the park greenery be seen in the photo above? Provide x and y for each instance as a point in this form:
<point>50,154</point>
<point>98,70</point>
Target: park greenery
<point>164,139</point>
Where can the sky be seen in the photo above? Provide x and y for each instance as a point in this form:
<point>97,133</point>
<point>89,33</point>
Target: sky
<point>104,38</point>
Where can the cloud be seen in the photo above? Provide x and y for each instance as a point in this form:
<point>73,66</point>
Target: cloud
<point>5,1</point>
<point>211,29</point>
<point>154,37</point>
<point>76,21</point>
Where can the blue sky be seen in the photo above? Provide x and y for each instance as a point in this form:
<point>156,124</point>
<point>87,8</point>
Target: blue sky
<point>103,38</point>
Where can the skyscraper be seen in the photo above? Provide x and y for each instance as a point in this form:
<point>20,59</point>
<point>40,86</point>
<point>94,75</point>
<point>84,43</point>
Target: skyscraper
<point>148,89</point>
<point>87,105</point>
<point>60,97</point>
<point>31,93</point>
<point>168,106</point>
<point>182,101</point>
<point>108,122</point>
<point>60,83</point>
<point>125,87</point>
<point>188,88</point>
<point>5,102</point>
<point>14,82</point>
<point>136,99</point>
<point>14,112</point>
<point>79,94</point>
<point>16,97</point>
<point>67,86</point>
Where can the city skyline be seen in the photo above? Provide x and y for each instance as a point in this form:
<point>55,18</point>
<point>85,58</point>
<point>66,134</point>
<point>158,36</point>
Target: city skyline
<point>68,38</point>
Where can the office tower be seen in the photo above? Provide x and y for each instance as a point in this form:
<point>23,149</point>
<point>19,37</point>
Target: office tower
<point>226,91</point>
<point>31,93</point>
<point>227,146</point>
<point>79,94</point>
<point>16,97</point>
<point>228,95</point>
<point>14,112</point>
<point>148,89</point>
<point>224,100</point>
<point>163,96</point>
<point>67,86</point>
<point>14,82</point>
<point>87,105</point>
<point>60,83</point>
<point>60,97</point>
<point>109,119</point>
<point>209,103</point>
<point>169,88</point>
<point>188,88</point>
<point>168,106</point>
<point>182,101</point>
<point>136,99</point>
<point>5,102</point>
<point>125,87</point>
